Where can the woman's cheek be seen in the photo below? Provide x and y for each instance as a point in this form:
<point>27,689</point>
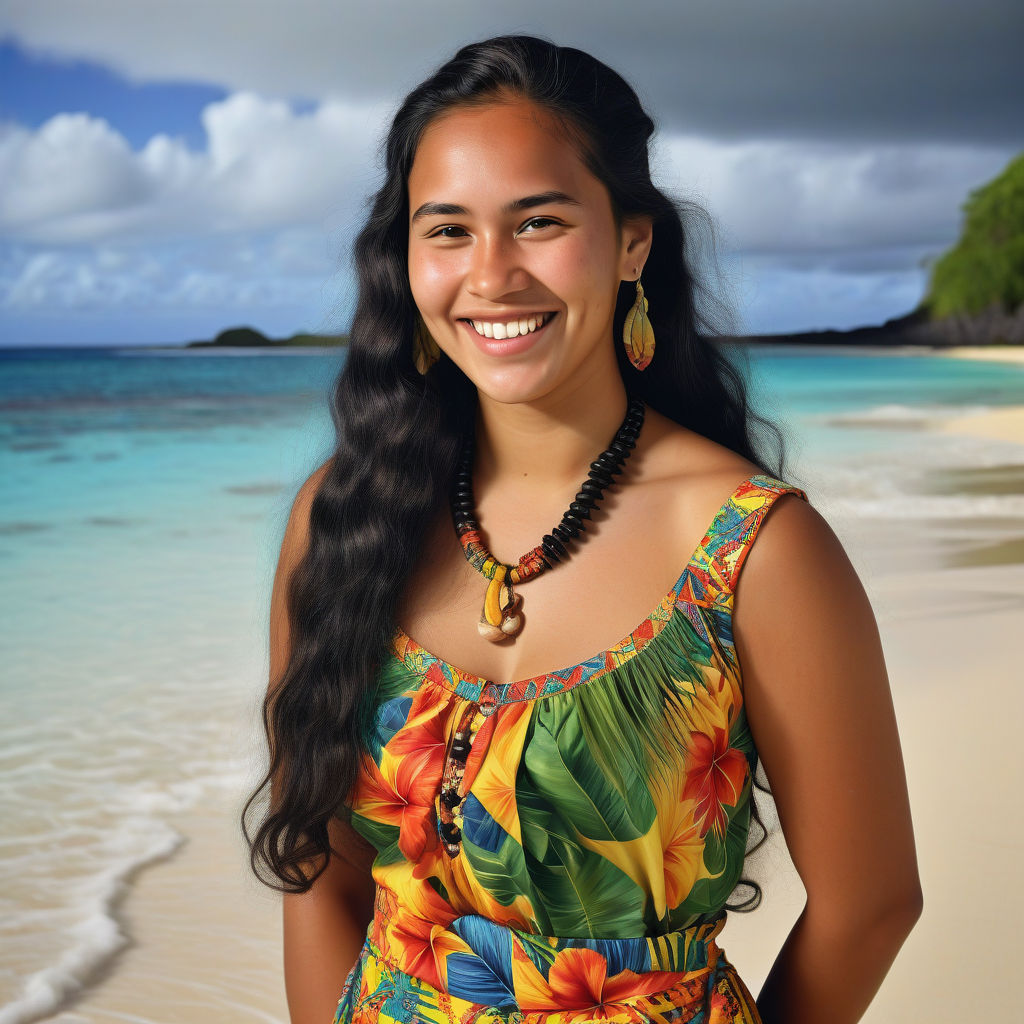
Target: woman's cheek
<point>437,273</point>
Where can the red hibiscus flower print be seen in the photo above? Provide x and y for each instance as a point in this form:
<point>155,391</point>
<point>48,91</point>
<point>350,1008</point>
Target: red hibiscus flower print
<point>715,776</point>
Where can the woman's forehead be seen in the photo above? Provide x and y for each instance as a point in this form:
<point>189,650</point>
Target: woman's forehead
<point>495,149</point>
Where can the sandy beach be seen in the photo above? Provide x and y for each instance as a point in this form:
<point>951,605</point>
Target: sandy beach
<point>998,424</point>
<point>999,353</point>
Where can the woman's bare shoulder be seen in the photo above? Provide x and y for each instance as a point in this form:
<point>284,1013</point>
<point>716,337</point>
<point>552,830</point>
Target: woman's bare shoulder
<point>702,472</point>
<point>308,491</point>
<point>296,534</point>
<point>799,588</point>
<point>295,541</point>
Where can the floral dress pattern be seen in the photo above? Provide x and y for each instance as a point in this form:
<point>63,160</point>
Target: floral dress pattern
<point>601,814</point>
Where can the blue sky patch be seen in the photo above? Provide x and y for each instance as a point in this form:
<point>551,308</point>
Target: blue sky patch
<point>33,89</point>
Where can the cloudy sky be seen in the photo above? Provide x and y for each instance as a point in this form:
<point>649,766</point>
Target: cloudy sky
<point>171,169</point>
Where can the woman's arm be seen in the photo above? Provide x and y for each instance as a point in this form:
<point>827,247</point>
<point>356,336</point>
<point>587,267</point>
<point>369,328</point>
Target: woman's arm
<point>820,711</point>
<point>323,934</point>
<point>324,928</point>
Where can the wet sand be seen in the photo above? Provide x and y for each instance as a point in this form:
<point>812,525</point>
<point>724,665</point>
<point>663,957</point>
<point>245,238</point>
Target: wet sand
<point>206,938</point>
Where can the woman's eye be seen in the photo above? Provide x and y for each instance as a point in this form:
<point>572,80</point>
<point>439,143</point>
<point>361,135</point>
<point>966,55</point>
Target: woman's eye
<point>440,232</point>
<point>542,221</point>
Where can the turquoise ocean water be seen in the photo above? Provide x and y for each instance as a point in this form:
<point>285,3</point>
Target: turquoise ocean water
<point>144,497</point>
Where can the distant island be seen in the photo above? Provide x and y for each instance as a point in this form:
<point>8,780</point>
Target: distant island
<point>249,337</point>
<point>975,292</point>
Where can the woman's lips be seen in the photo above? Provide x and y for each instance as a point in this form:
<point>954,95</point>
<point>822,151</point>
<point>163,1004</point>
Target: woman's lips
<point>507,346</point>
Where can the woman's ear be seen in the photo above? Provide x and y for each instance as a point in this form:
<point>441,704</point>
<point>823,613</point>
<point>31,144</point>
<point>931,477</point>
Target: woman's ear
<point>637,236</point>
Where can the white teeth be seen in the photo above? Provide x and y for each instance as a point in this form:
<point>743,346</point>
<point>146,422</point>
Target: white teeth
<point>512,329</point>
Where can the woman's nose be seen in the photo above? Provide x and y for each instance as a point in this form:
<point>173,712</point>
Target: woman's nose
<point>494,268</point>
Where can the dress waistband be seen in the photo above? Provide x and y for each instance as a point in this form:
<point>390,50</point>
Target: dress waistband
<point>477,959</point>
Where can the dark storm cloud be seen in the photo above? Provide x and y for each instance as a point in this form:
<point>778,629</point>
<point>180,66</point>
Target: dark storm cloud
<point>897,71</point>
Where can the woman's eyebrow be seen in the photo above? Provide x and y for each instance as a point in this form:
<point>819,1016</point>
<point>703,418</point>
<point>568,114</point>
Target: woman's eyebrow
<point>526,203</point>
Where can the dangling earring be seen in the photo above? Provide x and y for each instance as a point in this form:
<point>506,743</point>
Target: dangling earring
<point>637,333</point>
<point>425,350</point>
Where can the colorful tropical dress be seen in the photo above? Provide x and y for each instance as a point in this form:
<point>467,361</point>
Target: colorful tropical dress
<point>560,849</point>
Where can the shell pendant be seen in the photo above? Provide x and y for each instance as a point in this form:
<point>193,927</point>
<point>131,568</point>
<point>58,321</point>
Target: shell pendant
<point>500,617</point>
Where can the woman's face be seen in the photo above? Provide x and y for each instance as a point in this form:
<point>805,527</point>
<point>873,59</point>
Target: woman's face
<point>514,255</point>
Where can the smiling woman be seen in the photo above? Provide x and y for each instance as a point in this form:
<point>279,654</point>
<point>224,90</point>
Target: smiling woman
<point>462,831</point>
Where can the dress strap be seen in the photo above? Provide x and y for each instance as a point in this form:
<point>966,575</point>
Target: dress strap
<point>735,528</point>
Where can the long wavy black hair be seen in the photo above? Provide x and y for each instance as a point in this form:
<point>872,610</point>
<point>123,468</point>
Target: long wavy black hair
<point>398,434</point>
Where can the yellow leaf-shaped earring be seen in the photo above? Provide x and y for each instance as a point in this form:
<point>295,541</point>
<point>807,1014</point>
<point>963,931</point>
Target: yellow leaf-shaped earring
<point>637,333</point>
<point>425,350</point>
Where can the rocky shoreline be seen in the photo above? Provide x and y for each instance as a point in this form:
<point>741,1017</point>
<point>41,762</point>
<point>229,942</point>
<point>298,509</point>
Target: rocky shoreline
<point>992,327</point>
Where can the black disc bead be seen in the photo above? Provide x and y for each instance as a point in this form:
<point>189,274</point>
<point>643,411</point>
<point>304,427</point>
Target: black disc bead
<point>600,477</point>
<point>556,543</point>
<point>552,542</point>
<point>589,487</point>
<point>586,500</point>
<point>562,533</point>
<point>572,523</point>
<point>580,509</point>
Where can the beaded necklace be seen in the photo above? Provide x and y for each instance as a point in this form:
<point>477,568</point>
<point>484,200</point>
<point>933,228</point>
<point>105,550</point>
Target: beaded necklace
<point>500,616</point>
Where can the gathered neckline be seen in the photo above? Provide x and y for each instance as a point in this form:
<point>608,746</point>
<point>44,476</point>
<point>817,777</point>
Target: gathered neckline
<point>436,669</point>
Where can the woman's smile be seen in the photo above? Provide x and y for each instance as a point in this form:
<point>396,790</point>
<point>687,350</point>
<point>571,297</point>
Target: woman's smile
<point>507,336</point>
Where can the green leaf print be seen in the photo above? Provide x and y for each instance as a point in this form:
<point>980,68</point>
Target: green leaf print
<point>560,767</point>
<point>382,835</point>
<point>725,859</point>
<point>502,873</point>
<point>538,950</point>
<point>585,895</point>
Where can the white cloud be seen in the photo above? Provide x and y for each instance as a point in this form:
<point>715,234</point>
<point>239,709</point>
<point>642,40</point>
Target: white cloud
<point>829,202</point>
<point>76,180</point>
<point>73,164</point>
<point>234,272</point>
